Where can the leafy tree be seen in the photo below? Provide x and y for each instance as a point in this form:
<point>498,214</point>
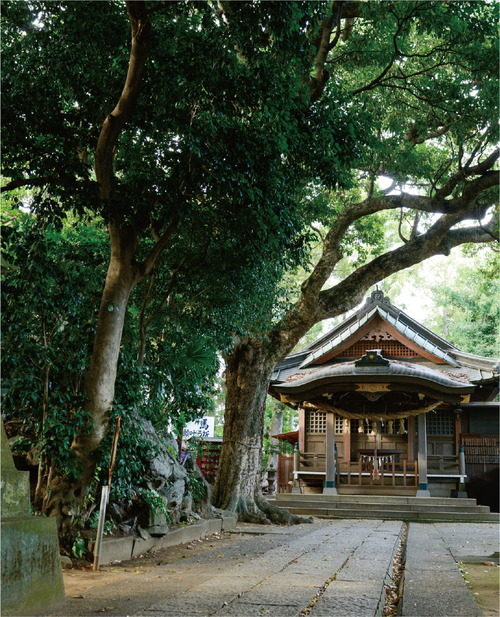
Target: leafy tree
<point>421,78</point>
<point>194,138</point>
<point>49,294</point>
<point>49,315</point>
<point>467,302</point>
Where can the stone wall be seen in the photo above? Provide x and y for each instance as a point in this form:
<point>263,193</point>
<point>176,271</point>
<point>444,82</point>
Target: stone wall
<point>31,574</point>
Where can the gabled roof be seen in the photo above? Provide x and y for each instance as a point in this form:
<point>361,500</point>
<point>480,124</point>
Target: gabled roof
<point>475,368</point>
<point>378,304</point>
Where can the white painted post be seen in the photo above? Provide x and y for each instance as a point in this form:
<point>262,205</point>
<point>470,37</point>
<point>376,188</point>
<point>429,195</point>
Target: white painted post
<point>461,470</point>
<point>100,526</point>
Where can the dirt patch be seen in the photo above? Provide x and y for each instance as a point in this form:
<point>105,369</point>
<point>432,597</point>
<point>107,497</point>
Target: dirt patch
<point>483,580</point>
<point>81,578</point>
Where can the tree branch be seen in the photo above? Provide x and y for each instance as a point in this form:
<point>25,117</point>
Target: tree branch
<point>439,239</point>
<point>153,256</point>
<point>115,121</point>
<point>466,172</point>
<point>314,304</point>
<point>19,182</point>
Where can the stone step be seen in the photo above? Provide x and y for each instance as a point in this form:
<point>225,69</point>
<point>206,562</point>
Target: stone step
<point>403,514</point>
<point>369,505</point>
<point>406,491</point>
<point>383,499</point>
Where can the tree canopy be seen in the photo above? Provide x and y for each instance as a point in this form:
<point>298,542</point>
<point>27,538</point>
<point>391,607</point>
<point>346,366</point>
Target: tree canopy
<point>216,141</point>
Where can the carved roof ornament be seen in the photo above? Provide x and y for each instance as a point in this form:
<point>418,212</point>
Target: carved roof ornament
<point>377,334</point>
<point>377,297</point>
<point>373,357</point>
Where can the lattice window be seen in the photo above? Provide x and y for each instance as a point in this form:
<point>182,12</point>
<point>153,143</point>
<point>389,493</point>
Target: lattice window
<point>315,422</point>
<point>390,349</point>
<point>441,423</point>
<point>361,426</point>
<point>340,425</point>
<point>395,427</point>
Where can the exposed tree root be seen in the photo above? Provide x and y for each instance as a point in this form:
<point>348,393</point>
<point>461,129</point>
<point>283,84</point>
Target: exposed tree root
<point>260,512</point>
<point>282,516</point>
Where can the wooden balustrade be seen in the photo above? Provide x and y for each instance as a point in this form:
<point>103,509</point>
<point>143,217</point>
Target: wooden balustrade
<point>363,472</point>
<point>387,474</point>
<point>312,461</point>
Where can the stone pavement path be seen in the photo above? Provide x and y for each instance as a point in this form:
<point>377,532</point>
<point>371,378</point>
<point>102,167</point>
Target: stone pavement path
<point>433,583</point>
<point>328,569</point>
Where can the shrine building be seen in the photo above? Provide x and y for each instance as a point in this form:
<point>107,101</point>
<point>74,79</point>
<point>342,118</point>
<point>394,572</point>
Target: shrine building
<point>385,405</point>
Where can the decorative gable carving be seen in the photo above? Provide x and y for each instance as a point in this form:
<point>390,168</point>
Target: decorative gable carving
<point>390,347</point>
<point>377,334</point>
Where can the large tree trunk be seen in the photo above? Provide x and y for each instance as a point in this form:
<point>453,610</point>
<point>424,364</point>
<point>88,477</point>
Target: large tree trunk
<point>101,376</point>
<point>64,495</point>
<point>237,486</point>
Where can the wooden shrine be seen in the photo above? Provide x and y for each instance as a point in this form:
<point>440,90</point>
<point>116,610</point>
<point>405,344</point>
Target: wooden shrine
<point>386,405</point>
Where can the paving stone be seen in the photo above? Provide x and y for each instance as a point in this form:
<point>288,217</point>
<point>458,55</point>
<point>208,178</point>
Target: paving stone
<point>364,570</point>
<point>280,574</point>
<point>433,584</point>
<point>439,601</point>
<point>242,609</point>
<point>344,607</point>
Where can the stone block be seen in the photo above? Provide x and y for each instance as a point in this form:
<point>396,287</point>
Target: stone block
<point>116,549</point>
<point>31,573</point>
<point>32,581</point>
<point>15,491</point>
<point>141,546</point>
<point>229,523</point>
<point>212,525</point>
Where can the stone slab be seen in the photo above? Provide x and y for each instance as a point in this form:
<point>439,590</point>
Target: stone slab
<point>344,607</point>
<point>14,491</point>
<point>229,523</point>
<point>122,549</point>
<point>433,585</point>
<point>32,581</point>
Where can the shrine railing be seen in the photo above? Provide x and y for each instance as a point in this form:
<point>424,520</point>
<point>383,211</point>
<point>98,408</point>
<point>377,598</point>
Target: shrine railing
<point>312,461</point>
<point>388,471</point>
<point>391,473</point>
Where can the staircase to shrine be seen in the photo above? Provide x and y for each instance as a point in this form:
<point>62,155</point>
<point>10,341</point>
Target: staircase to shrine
<point>399,507</point>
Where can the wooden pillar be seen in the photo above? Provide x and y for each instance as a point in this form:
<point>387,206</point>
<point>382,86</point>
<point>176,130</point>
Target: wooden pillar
<point>423,486</point>
<point>330,488</point>
<point>302,429</point>
<point>458,430</point>
<point>347,441</point>
<point>411,439</point>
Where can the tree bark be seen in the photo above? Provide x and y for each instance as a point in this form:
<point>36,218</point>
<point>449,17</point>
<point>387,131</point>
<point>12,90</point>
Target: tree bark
<point>237,487</point>
<point>65,495</point>
<point>101,375</point>
<point>251,362</point>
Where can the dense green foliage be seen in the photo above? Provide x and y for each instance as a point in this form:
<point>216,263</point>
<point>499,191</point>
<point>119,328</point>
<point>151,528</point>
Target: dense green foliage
<point>49,311</point>
<point>225,137</point>
<point>242,131</point>
<point>467,305</point>
<point>49,299</point>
